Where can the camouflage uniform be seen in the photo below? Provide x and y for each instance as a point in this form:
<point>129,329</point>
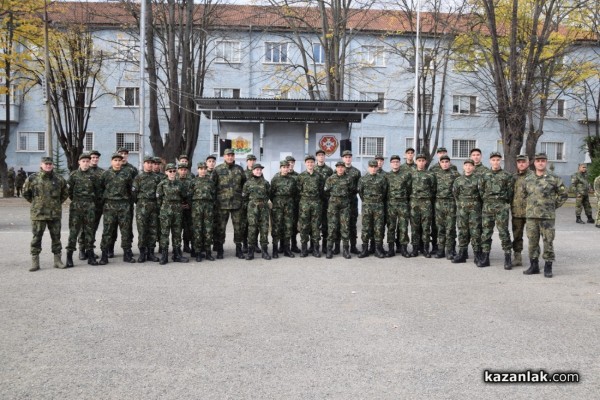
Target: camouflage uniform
<point>186,212</point>
<point>354,175</point>
<point>229,180</point>
<point>372,190</point>
<point>581,188</point>
<point>518,206</point>
<point>256,194</point>
<point>116,188</point>
<point>466,192</point>
<point>340,190</point>
<point>445,210</point>
<point>296,202</point>
<point>133,172</point>
<point>98,207</point>
<point>398,206</point>
<point>84,189</point>
<point>497,193</point>
<point>20,180</point>
<point>408,167</point>
<point>170,195</point>
<point>203,193</point>
<point>325,171</point>
<point>11,177</point>
<point>284,191</point>
<point>480,170</point>
<point>421,209</point>
<point>310,189</point>
<point>144,195</point>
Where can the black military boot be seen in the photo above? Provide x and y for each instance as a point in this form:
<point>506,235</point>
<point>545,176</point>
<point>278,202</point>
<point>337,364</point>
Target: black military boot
<point>507,261</point>
<point>379,252</point>
<point>208,254</point>
<point>219,251</point>
<point>250,254</point>
<point>311,247</point>
<point>186,247</point>
<point>484,259</point>
<point>238,251</point>
<point>275,252</point>
<point>415,251</point>
<point>353,248</point>
<point>287,251</point>
<point>193,252</point>
<point>294,247</point>
<point>579,221</point>
<point>476,257</point>
<point>346,252</point>
<point>404,251</point>
<point>265,252</point>
<point>150,256</point>
<point>104,258</point>
<point>451,253</point>
<point>143,257</point>
<point>548,269</point>
<point>371,247</point>
<point>178,257</point>
<point>534,267</point>
<point>245,246</point>
<point>590,219</point>
<point>316,251</point>
<point>111,251</point>
<point>329,252</point>
<point>82,254</point>
<point>164,256</point>
<point>304,250</point>
<point>257,249</point>
<point>365,251</point>
<point>391,252</point>
<point>440,253</point>
<point>324,245</point>
<point>461,257</point>
<point>128,256</point>
<point>199,256</point>
<point>280,249</point>
<point>69,263</point>
<point>91,258</point>
<point>434,248</point>
<point>336,248</point>
<point>426,252</point>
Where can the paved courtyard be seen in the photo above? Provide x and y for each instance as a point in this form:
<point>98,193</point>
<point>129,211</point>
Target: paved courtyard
<point>301,328</point>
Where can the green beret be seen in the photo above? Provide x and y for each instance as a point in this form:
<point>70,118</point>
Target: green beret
<point>541,156</point>
<point>522,157</point>
<point>228,151</point>
<point>347,153</point>
<point>116,155</point>
<point>250,157</point>
<point>469,161</point>
<point>395,157</point>
<point>309,157</point>
<point>495,154</point>
<point>47,160</point>
<point>257,165</point>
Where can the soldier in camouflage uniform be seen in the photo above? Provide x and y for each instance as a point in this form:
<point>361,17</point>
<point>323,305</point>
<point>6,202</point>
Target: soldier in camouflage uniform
<point>310,189</point>
<point>211,163</point>
<point>184,159</point>
<point>441,152</point>
<point>445,208</point>
<point>597,191</point>
<point>183,175</point>
<point>11,182</point>
<point>203,193</point>
<point>354,175</point>
<point>421,207</point>
<point>340,188</point>
<point>581,186</point>
<point>157,168</point>
<point>325,171</point>
<point>435,168</point>
<point>144,195</point>
<point>229,178</point>
<point>466,192</point>
<point>545,192</point>
<point>256,194</point>
<point>294,238</point>
<point>84,188</point>
<point>20,181</point>
<point>116,185</point>
<point>46,191</point>
<point>497,188</point>
<point>171,195</point>
<point>475,155</point>
<point>398,207</point>
<point>372,189</point>
<point>409,156</point>
<point>284,190</point>
<point>518,206</point>
<point>250,161</point>
<point>98,205</point>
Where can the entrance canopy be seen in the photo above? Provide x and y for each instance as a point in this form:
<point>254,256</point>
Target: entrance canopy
<point>285,110</point>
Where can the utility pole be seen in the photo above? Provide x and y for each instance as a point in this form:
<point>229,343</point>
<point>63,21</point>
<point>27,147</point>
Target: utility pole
<point>47,84</point>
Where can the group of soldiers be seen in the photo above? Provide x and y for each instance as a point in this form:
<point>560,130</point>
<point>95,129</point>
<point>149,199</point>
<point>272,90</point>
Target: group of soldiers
<point>321,204</point>
<point>15,180</point>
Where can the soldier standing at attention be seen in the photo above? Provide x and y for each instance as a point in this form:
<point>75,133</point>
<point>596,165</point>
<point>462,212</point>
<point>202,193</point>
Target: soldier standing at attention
<point>597,191</point>
<point>545,192</point>
<point>184,176</point>
<point>421,207</point>
<point>372,189</point>
<point>325,171</point>
<point>184,159</point>
<point>46,191</point>
<point>116,185</point>
<point>84,188</point>
<point>98,205</point>
<point>203,193</point>
<point>518,206</point>
<point>211,163</point>
<point>294,238</point>
<point>310,189</point>
<point>409,156</point>
<point>468,212</point>
<point>144,195</point>
<point>171,194</point>
<point>581,187</point>
<point>284,190</point>
<point>398,207</point>
<point>11,182</point>
<point>354,175</point>
<point>497,188</point>
<point>20,181</point>
<point>250,160</point>
<point>339,186</point>
<point>157,168</point>
<point>256,193</point>
<point>229,178</point>
<point>435,168</point>
<point>445,208</point>
<point>475,155</point>
<point>380,161</point>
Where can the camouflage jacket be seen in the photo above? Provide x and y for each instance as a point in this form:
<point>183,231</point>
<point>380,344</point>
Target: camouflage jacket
<point>11,176</point>
<point>339,186</point>
<point>203,188</point>
<point>445,179</point>
<point>399,185</point>
<point>354,175</point>
<point>84,186</point>
<point>256,189</point>
<point>229,179</point>
<point>311,185</point>
<point>144,186</point>
<point>466,189</point>
<point>116,185</point>
<point>248,173</point>
<point>171,193</point>
<point>408,167</point>
<point>544,195</point>
<point>283,186</point>
<point>519,202</point>
<point>597,188</point>
<point>372,188</point>
<point>435,168</point>
<point>497,186</point>
<point>187,182</point>
<point>580,184</point>
<point>21,176</point>
<point>324,170</point>
<point>480,169</point>
<point>97,170</point>
<point>130,168</point>
<point>46,192</point>
<point>424,185</point>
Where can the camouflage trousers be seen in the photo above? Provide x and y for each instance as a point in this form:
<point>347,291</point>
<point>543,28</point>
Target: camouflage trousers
<point>170,224</point>
<point>324,227</point>
<point>129,228</point>
<point>338,216</point>
<point>97,216</point>
<point>38,228</point>
<point>238,225</point>
<point>81,222</point>
<point>202,228</point>
<point>445,222</point>
<point>146,218</point>
<point>245,221</point>
<point>495,213</point>
<point>352,230</point>
<point>398,216</point>
<point>19,190</point>
<point>117,214</point>
<point>598,212</point>
<point>282,217</point>
<point>186,225</point>
<point>518,227</point>
<point>421,211</point>
<point>310,219</point>
<point>373,222</point>
<point>258,222</point>
<point>537,227</point>
<point>468,222</point>
<point>582,202</point>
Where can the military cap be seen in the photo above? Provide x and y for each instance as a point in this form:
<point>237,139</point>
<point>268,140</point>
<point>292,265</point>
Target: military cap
<point>85,155</point>
<point>320,151</point>
<point>420,155</point>
<point>149,159</point>
<point>445,157</point>
<point>522,157</point>
<point>95,153</point>
<point>395,157</point>
<point>441,149</point>
<point>116,155</point>
<point>250,157</point>
<point>170,167</point>
<point>211,156</point>
<point>257,165</point>
<point>474,149</point>
<point>123,150</point>
<point>47,160</point>
<point>373,163</point>
<point>309,157</point>
<point>469,161</point>
<point>184,156</point>
<point>541,156</point>
<point>290,158</point>
<point>228,151</point>
<point>409,149</point>
<point>495,154</point>
<point>583,164</point>
<point>183,165</point>
<point>346,153</point>
<point>340,164</point>
<point>156,160</point>
<point>283,163</point>
<point>379,157</point>
<point>202,164</point>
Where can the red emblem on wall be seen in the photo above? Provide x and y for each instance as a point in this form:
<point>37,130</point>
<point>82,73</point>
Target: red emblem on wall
<point>329,144</point>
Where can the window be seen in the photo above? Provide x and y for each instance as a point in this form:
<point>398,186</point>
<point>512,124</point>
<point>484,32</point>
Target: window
<point>128,50</point>
<point>227,93</point>
<point>128,96</point>
<point>464,104</point>
<point>373,56</point>
<point>215,143</point>
<point>88,141</point>
<point>32,141</point>
<point>424,98</point>
<point>274,94</point>
<point>554,150</point>
<point>426,60</point>
<point>461,148</point>
<point>371,146</point>
<point>410,143</point>
<point>276,53</point>
<point>131,141</point>
<point>12,99</point>
<point>375,96</point>
<point>557,109</point>
<point>318,53</point>
<point>228,51</point>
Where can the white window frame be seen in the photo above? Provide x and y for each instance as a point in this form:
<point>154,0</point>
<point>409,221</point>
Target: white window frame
<point>228,52</point>
<point>227,93</point>
<point>557,154</point>
<point>274,94</point>
<point>370,146</point>
<point>128,50</point>
<point>89,138</point>
<point>410,102</point>
<point>28,147</point>
<point>373,56</point>
<point>375,96</point>
<point>121,96</point>
<point>131,141</point>
<point>276,53</point>
<point>318,53</point>
<point>409,142</point>
<point>464,104</point>
<point>215,143</point>
<point>461,148</point>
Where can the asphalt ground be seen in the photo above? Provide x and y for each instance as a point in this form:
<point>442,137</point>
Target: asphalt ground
<point>301,328</point>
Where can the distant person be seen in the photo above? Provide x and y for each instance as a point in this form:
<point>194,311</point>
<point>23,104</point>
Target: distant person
<point>581,186</point>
